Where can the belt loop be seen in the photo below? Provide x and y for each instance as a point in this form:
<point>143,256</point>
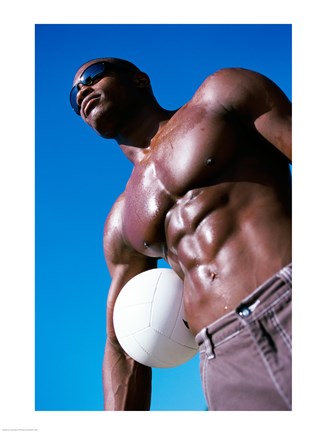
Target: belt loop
<point>286,274</point>
<point>208,344</point>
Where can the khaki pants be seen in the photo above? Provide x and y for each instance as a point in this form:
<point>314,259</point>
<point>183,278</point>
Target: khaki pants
<point>245,356</point>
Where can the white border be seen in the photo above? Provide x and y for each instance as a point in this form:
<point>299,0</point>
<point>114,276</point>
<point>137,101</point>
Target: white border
<point>17,197</point>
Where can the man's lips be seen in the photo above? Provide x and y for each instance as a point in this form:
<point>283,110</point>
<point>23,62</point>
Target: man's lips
<point>88,104</point>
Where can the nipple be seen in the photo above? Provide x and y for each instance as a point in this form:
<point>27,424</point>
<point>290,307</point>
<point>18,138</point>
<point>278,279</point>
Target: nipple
<point>210,160</point>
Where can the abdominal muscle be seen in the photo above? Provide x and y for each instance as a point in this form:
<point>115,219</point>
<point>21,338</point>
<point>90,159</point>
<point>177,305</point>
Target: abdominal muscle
<point>224,241</point>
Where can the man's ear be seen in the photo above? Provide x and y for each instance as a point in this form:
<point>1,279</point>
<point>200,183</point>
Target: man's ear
<point>142,80</point>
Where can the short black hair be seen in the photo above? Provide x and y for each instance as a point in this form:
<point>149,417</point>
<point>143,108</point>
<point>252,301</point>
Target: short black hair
<point>117,63</point>
<point>124,64</point>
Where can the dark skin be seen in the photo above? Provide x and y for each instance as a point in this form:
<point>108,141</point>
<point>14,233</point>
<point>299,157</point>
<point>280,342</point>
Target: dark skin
<point>210,193</point>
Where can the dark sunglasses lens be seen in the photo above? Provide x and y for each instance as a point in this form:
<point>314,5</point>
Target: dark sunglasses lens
<point>92,73</point>
<point>73,99</point>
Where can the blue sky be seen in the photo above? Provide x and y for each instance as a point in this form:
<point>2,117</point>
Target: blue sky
<point>79,175</point>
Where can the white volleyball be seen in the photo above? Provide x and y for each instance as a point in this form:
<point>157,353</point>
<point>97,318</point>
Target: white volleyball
<point>149,320</point>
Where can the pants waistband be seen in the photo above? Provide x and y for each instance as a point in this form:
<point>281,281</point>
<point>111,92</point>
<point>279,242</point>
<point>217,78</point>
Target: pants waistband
<point>252,307</point>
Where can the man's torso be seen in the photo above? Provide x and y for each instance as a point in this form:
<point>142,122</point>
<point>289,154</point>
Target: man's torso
<point>212,197</point>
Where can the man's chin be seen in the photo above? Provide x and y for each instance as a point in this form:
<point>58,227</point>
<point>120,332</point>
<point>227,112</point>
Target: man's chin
<point>107,135</point>
<point>101,127</point>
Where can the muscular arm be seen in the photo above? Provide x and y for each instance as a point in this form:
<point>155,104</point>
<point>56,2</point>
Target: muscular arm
<point>126,383</point>
<point>256,99</point>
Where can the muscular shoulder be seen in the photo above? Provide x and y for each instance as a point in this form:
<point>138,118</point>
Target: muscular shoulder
<point>240,90</point>
<point>123,260</point>
<point>117,250</point>
<point>113,241</point>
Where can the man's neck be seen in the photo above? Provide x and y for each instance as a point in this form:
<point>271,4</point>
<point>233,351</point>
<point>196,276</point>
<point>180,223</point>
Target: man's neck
<point>136,139</point>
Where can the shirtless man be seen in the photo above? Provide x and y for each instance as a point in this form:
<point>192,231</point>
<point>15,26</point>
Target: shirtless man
<point>210,193</point>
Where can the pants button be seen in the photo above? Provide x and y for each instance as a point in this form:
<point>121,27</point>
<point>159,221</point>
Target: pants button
<point>244,311</point>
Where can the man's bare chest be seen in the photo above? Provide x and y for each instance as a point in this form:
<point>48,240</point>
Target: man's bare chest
<point>188,155</point>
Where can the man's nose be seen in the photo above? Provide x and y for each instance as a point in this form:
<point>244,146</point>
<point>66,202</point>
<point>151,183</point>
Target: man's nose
<point>84,90</point>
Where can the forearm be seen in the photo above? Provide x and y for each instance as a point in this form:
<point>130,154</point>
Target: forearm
<point>126,383</point>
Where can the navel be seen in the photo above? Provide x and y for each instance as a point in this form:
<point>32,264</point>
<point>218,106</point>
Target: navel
<point>213,276</point>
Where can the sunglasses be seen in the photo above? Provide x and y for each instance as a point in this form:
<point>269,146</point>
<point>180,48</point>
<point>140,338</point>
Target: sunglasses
<point>89,76</point>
